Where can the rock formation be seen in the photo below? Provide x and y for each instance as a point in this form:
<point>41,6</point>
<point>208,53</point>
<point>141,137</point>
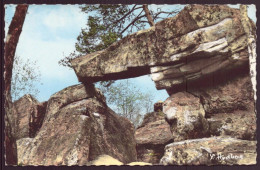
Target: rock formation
<point>186,116</point>
<point>229,107</point>
<point>151,137</point>
<point>228,112</point>
<point>29,116</point>
<point>201,40</point>
<point>77,128</point>
<point>199,56</point>
<point>37,114</point>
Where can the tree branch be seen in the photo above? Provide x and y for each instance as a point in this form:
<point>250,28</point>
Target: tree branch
<point>133,9</point>
<point>148,15</point>
<point>137,18</point>
<point>164,12</point>
<point>12,38</point>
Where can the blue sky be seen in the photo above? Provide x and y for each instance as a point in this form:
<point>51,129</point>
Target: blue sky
<point>50,32</point>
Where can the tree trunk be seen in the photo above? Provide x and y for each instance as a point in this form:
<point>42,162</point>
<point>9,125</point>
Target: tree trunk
<point>148,15</point>
<point>12,38</point>
<point>251,42</point>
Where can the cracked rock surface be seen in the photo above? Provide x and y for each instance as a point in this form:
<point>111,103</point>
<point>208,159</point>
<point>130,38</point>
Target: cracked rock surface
<point>78,129</point>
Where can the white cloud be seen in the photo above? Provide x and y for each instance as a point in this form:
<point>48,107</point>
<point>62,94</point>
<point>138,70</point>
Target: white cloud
<point>37,41</point>
<point>64,17</point>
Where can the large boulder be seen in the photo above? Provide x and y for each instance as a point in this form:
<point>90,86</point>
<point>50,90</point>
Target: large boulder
<point>200,41</point>
<point>67,96</point>
<point>77,129</point>
<point>186,116</point>
<point>151,137</point>
<point>210,151</point>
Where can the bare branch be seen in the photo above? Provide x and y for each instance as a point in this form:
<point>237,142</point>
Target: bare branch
<point>164,12</point>
<point>148,15</point>
<point>133,9</point>
<point>137,18</point>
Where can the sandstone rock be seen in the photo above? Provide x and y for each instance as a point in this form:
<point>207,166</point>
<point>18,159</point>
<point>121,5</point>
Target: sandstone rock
<point>151,137</point>
<point>234,94</point>
<point>67,96</point>
<point>210,151</point>
<point>200,41</point>
<point>37,115</point>
<point>23,108</point>
<point>228,105</point>
<point>158,106</point>
<point>153,132</point>
<point>186,116</point>
<point>239,124</point>
<point>74,134</point>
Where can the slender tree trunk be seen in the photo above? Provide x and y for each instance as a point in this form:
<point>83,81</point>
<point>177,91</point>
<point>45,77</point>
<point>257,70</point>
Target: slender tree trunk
<point>12,38</point>
<point>251,42</point>
<point>148,15</point>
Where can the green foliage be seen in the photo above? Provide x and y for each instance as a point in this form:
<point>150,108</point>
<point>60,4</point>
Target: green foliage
<point>24,78</point>
<point>106,24</point>
<point>127,100</point>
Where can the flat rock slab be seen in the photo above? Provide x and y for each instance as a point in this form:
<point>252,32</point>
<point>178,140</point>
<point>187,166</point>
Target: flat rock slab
<point>210,151</point>
<point>199,41</point>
